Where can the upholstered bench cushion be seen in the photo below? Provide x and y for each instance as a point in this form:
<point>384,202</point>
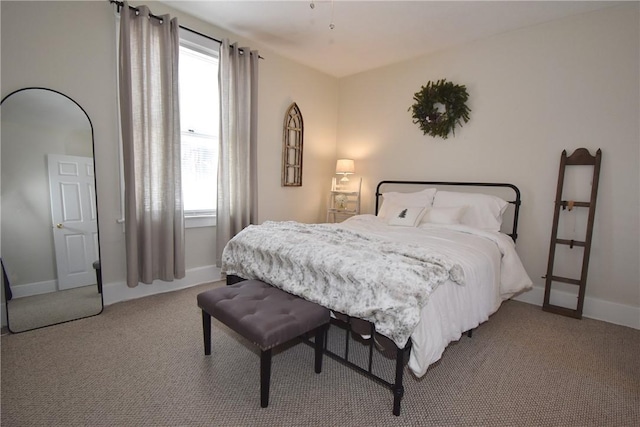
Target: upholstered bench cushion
<point>265,315</point>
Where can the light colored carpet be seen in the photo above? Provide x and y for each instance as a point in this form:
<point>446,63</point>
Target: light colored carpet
<point>141,363</point>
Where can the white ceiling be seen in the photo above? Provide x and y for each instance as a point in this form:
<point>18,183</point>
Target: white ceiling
<point>371,34</point>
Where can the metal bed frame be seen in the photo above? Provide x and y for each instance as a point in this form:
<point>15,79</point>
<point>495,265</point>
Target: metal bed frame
<point>402,354</point>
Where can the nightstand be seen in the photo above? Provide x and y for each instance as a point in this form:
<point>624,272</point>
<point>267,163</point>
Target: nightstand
<point>343,203</point>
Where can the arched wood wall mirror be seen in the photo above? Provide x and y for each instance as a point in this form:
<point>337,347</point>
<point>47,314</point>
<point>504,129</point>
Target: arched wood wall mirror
<point>49,225</point>
<point>292,144</point>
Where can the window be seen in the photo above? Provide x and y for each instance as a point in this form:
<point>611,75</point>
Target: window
<point>199,126</point>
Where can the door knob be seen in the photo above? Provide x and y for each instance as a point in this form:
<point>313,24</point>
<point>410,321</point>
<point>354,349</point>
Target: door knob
<point>59,225</point>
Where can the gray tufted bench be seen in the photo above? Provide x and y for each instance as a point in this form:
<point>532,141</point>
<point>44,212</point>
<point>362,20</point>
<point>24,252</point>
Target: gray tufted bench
<point>266,316</point>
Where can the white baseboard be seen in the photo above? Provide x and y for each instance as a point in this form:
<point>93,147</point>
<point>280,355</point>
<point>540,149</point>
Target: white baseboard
<point>594,308</point>
<point>119,291</point>
<point>31,289</point>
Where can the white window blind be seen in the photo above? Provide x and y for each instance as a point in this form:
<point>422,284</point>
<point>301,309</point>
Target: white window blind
<point>199,123</point>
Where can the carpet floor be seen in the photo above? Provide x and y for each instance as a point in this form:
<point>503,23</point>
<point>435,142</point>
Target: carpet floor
<point>141,363</point>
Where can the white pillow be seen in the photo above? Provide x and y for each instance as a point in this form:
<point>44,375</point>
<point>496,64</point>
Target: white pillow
<point>405,215</point>
<point>422,199</point>
<point>483,211</point>
<point>443,215</point>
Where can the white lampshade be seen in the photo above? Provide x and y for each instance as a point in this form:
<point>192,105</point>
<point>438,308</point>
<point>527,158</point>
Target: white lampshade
<point>345,167</point>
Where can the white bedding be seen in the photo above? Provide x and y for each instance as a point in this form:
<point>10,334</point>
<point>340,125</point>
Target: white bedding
<point>358,274</point>
<point>490,267</point>
<point>493,273</point>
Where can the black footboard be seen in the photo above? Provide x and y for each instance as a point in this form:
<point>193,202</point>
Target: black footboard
<point>373,362</point>
<point>355,343</point>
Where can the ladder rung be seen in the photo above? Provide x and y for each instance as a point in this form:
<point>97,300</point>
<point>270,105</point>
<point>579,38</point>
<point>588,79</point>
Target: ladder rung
<point>569,242</point>
<point>561,310</point>
<point>565,203</point>
<point>565,280</point>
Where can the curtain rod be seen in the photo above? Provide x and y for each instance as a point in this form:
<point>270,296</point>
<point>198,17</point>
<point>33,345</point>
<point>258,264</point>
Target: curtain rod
<point>120,5</point>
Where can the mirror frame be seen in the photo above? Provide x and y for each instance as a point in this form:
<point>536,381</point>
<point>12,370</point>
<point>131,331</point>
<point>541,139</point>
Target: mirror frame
<point>98,270</point>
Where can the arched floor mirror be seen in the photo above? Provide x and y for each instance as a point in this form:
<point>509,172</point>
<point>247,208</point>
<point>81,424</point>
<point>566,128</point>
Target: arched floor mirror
<point>49,242</point>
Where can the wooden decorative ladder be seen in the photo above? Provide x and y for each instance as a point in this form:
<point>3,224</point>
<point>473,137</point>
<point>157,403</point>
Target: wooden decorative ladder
<point>580,157</point>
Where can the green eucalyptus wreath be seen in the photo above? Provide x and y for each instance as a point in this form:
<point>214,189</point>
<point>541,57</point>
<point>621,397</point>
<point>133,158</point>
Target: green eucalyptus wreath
<point>439,107</point>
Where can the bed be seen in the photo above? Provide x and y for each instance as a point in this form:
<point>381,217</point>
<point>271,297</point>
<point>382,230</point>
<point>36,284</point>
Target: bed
<point>430,265</point>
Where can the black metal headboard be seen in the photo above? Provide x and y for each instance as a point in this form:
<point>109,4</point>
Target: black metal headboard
<point>515,202</point>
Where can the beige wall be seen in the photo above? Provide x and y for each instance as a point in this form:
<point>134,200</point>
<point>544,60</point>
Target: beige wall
<point>283,82</point>
<point>70,47</point>
<point>533,92</point>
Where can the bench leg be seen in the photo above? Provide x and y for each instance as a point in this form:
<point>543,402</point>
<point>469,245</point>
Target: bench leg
<point>319,347</point>
<point>398,388</point>
<point>265,377</point>
<point>206,330</point>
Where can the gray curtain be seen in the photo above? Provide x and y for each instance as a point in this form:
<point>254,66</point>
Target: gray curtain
<point>237,161</point>
<point>154,224</point>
